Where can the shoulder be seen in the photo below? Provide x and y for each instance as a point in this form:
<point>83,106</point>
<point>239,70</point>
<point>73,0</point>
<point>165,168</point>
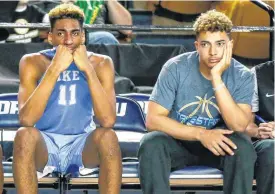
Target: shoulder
<point>102,64</point>
<point>181,61</point>
<point>269,65</point>
<point>33,58</point>
<point>240,70</point>
<point>32,63</point>
<point>99,59</point>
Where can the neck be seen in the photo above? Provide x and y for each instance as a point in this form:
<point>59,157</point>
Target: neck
<point>205,71</point>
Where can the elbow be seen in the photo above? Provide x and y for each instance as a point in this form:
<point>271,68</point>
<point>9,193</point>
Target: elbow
<point>25,121</point>
<point>241,127</point>
<point>149,124</point>
<point>108,122</point>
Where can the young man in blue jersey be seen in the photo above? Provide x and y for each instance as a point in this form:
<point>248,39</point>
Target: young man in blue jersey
<point>60,91</point>
<point>198,111</point>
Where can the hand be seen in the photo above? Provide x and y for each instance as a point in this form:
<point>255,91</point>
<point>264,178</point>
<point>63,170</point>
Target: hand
<point>266,130</point>
<point>81,58</point>
<point>63,58</point>
<point>216,141</point>
<point>224,63</point>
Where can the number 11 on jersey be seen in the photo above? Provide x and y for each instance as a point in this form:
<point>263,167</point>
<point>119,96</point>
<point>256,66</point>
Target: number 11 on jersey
<point>63,97</point>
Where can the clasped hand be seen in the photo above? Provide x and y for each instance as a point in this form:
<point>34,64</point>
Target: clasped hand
<point>65,56</point>
<point>266,130</point>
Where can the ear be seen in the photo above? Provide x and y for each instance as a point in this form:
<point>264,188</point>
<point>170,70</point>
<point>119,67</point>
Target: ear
<point>50,38</point>
<point>196,45</point>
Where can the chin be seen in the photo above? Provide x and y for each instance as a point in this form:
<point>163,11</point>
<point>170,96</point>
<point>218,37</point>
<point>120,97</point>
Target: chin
<point>211,65</point>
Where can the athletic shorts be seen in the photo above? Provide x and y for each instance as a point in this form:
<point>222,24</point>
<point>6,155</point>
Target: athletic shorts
<point>65,151</point>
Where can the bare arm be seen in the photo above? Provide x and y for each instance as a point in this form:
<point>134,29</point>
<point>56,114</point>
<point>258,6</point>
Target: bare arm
<point>101,84</point>
<point>100,79</point>
<point>252,128</point>
<point>157,120</point>
<point>236,116</point>
<point>119,15</point>
<point>32,98</point>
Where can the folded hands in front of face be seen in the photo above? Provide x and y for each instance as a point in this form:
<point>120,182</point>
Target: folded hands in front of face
<point>64,57</point>
<point>266,130</point>
<point>81,58</point>
<point>224,63</point>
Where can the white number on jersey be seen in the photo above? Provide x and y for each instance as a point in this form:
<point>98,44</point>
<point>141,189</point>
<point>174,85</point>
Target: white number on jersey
<point>62,95</point>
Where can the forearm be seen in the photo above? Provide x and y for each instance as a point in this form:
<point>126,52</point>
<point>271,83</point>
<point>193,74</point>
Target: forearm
<point>252,130</point>
<point>173,128</point>
<point>32,110</point>
<point>119,15</point>
<point>104,108</point>
<point>232,114</point>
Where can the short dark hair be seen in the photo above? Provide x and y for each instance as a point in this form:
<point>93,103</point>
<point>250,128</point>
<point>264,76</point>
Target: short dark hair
<point>66,11</point>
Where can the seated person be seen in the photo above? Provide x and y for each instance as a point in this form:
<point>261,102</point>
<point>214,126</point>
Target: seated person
<point>198,111</point>
<point>261,128</point>
<point>60,91</point>
<point>24,14</point>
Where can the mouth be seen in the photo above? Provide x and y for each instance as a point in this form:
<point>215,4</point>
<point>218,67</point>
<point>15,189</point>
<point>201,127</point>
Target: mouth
<point>71,49</point>
<point>214,60</point>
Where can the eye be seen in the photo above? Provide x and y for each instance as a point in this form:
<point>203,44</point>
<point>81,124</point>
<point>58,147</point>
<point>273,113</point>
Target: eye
<point>59,34</point>
<point>220,44</point>
<point>205,44</point>
<point>75,33</point>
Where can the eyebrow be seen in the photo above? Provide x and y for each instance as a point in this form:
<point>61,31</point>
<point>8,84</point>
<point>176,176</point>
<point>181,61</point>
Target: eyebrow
<point>73,30</point>
<point>218,41</point>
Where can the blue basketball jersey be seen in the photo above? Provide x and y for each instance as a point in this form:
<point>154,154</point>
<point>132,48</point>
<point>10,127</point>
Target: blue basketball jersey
<point>69,108</point>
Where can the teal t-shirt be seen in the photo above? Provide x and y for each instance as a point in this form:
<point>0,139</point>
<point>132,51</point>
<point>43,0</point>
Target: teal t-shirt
<point>189,96</point>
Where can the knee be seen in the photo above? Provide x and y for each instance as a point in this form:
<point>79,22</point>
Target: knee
<point>26,135</point>
<point>151,142</point>
<point>108,137</point>
<point>108,144</point>
<point>265,153</point>
<point>245,151</point>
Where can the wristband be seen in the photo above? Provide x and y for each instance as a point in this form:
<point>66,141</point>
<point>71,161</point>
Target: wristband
<point>220,86</point>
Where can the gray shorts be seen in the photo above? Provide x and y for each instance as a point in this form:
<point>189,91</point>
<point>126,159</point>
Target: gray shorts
<point>65,151</point>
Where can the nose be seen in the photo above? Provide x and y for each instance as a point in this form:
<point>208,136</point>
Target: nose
<point>68,39</point>
<point>213,50</point>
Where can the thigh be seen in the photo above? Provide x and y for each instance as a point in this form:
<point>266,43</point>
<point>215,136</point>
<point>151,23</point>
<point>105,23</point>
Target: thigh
<point>90,153</point>
<point>202,155</point>
<point>179,155</point>
<point>29,142</point>
<point>41,152</point>
<point>265,151</point>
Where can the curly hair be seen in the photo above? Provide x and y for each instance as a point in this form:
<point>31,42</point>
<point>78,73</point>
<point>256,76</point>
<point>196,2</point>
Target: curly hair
<point>213,21</point>
<point>66,11</point>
